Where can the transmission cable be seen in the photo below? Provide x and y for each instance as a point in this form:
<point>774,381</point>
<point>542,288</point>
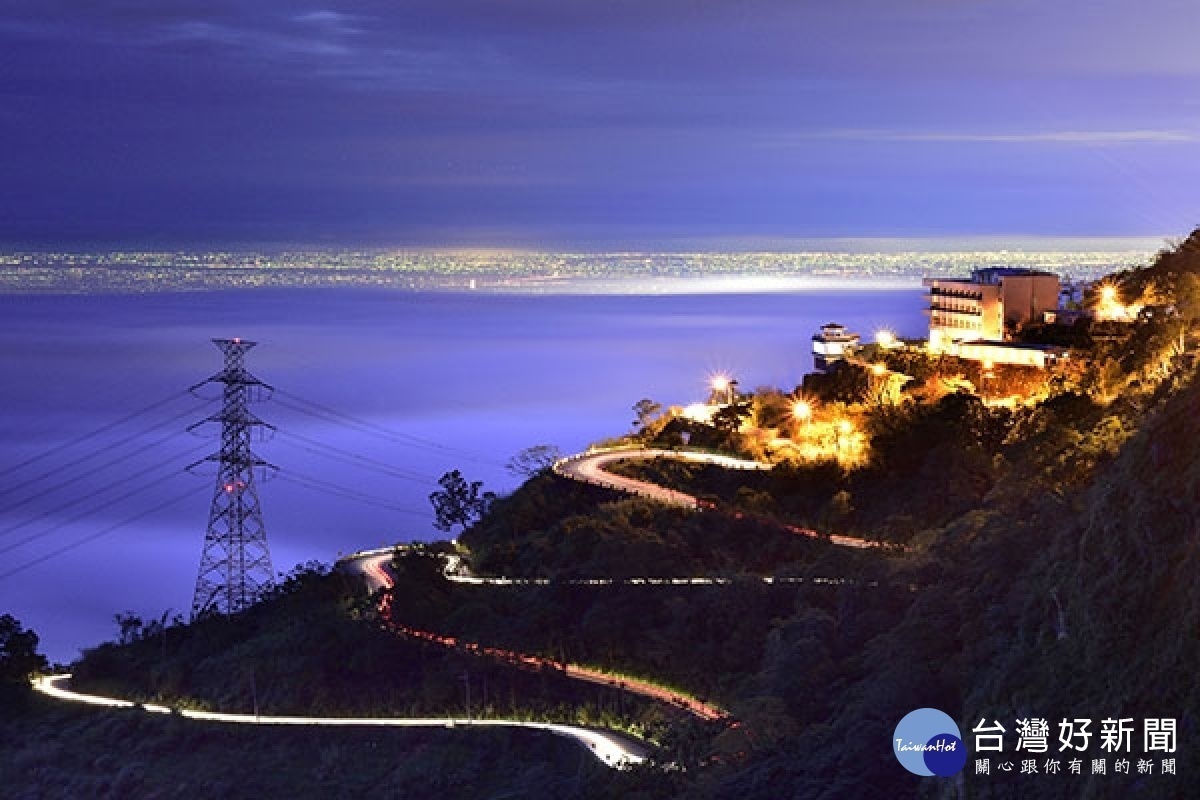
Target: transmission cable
<point>144,487</point>
<point>17,526</point>
<point>328,414</point>
<point>94,536</point>
<point>355,459</point>
<point>87,436</point>
<point>346,493</point>
<point>111,462</point>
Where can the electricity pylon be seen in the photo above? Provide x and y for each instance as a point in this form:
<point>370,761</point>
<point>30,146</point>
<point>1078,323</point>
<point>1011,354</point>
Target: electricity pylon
<point>235,566</point>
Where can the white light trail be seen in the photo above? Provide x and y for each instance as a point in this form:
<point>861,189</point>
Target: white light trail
<point>611,750</point>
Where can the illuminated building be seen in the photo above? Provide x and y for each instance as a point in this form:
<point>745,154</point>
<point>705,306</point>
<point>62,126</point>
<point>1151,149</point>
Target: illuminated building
<point>982,307</point>
<point>832,345</point>
<point>1021,355</point>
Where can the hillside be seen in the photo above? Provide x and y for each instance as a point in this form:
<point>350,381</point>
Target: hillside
<point>1044,564</point>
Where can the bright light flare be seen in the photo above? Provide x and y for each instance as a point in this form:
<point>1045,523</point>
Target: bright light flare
<point>885,338</point>
<point>719,383</point>
<point>1110,307</point>
<point>878,370</point>
<point>802,410</point>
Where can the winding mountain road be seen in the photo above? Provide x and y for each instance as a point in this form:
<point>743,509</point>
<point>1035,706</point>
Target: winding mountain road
<point>374,569</point>
<point>589,467</point>
<point>610,749</point>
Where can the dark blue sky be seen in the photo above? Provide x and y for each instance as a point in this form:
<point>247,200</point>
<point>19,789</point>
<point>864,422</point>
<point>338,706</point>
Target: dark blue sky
<point>625,122</point>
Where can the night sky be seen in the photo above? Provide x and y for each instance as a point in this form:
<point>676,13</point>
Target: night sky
<point>547,123</point>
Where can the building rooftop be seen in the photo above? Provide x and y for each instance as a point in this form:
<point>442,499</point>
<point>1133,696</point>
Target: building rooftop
<point>991,275</point>
<point>833,332</point>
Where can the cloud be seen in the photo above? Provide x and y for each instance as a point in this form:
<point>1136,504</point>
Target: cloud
<point>1100,138</point>
<point>260,42</point>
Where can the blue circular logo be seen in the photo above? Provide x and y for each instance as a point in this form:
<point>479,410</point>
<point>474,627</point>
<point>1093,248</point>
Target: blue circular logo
<point>927,742</point>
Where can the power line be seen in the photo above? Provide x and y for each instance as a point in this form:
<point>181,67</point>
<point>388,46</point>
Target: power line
<point>144,486</point>
<point>356,459</point>
<point>328,414</point>
<point>346,493</point>
<point>99,491</point>
<point>94,536</point>
<point>105,465</point>
<point>87,436</point>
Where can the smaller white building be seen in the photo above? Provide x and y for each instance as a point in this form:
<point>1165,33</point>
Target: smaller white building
<point>832,344</point>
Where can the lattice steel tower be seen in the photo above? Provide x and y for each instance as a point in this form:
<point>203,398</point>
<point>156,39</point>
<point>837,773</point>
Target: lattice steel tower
<point>235,566</point>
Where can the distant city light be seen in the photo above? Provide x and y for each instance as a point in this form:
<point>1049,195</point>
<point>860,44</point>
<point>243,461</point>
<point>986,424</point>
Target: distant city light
<point>885,338</point>
<point>878,370</point>
<point>720,383</point>
<point>801,410</point>
<point>620,273</point>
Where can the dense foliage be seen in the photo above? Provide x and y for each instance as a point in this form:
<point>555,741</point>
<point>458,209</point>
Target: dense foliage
<point>19,661</point>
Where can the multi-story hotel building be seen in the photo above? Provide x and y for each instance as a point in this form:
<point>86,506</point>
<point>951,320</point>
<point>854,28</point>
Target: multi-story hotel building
<point>983,307</point>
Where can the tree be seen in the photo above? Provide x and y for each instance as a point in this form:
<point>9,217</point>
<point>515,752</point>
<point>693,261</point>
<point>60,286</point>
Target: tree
<point>532,460</point>
<point>130,625</point>
<point>459,502</point>
<point>645,409</point>
<point>1187,296</point>
<point>730,418</point>
<point>19,658</point>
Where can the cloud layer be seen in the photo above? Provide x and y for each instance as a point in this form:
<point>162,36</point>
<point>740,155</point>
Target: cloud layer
<point>549,121</point>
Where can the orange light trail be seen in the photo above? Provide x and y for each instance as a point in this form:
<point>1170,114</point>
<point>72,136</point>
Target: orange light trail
<point>379,576</point>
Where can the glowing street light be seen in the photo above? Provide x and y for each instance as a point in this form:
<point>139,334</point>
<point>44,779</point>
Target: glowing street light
<point>885,338</point>
<point>878,370</point>
<point>723,384</point>
<point>1110,308</point>
<point>801,410</point>
<point>841,430</point>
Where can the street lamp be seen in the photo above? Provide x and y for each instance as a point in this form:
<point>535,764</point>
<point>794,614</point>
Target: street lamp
<point>988,374</point>
<point>802,412</point>
<point>723,385</point>
<point>842,429</point>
